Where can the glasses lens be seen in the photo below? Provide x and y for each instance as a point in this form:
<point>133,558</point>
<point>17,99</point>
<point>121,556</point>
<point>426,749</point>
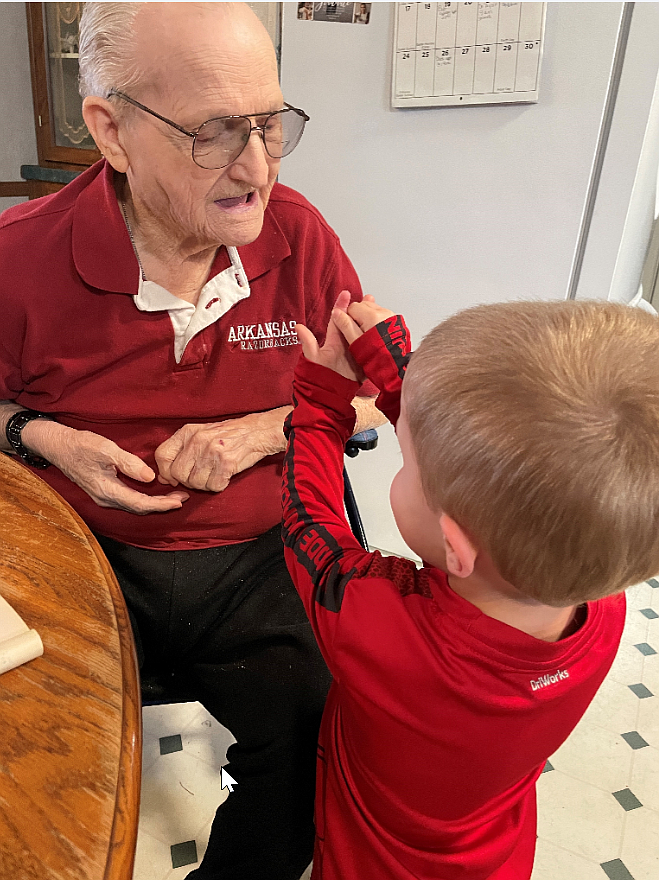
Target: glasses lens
<point>220,141</point>
<point>282,132</point>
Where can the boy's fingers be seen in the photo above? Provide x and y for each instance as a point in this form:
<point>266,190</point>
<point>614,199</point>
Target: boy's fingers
<point>368,313</point>
<point>362,312</point>
<point>309,342</point>
<point>346,326</point>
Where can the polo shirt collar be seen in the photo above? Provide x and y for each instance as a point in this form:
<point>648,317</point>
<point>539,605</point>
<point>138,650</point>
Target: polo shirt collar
<point>103,253</point>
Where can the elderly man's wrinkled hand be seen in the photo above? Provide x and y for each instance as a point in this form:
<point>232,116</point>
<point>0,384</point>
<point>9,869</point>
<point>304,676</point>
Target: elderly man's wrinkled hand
<point>334,353</point>
<point>207,456</point>
<point>94,463</point>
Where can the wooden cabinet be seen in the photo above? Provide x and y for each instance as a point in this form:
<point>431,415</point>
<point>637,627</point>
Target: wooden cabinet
<point>62,137</point>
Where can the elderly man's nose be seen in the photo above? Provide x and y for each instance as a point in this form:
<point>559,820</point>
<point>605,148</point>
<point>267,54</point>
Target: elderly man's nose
<point>253,161</point>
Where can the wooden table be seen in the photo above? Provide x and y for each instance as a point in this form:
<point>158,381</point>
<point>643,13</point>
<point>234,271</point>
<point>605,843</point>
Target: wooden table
<point>70,732</point>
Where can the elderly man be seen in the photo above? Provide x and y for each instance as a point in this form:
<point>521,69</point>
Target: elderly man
<point>147,353</point>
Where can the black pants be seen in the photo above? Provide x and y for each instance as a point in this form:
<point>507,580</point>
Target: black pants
<point>228,622</point>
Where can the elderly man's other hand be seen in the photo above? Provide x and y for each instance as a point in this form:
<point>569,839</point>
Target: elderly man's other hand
<point>94,463</point>
<point>207,456</point>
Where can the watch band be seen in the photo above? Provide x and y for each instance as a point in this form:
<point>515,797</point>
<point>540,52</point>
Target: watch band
<point>13,432</point>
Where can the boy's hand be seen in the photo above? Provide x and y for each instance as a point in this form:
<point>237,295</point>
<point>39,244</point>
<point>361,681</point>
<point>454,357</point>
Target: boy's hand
<point>359,318</point>
<point>334,353</point>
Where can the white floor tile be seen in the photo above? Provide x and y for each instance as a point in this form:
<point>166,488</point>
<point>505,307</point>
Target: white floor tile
<point>628,666</point>
<point>207,739</point>
<point>644,779</point>
<point>640,595</point>
<point>180,795</point>
<point>179,873</point>
<point>636,627</point>
<point>579,817</point>
<point>609,761</point>
<point>554,863</point>
<point>169,718</point>
<point>648,720</point>
<point>153,859</point>
<point>615,707</point>
<point>202,838</point>
<point>650,674</point>
<point>640,848</point>
<point>654,599</point>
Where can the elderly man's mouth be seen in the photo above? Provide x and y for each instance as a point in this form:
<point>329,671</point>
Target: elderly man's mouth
<point>237,204</point>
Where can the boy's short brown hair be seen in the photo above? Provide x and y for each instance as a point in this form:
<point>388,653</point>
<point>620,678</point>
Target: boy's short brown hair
<point>536,427</point>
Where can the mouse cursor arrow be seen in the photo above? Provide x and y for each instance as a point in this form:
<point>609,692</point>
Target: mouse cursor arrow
<point>227,780</point>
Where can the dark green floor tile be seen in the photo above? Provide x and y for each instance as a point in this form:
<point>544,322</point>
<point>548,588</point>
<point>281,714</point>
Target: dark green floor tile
<point>627,800</point>
<point>654,583</point>
<point>547,767</point>
<point>616,870</point>
<point>634,739</point>
<point>645,649</point>
<point>650,613</point>
<point>169,744</point>
<point>641,691</point>
<point>184,853</point>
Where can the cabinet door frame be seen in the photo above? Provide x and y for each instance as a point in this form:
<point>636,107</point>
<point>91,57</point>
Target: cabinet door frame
<point>50,154</point>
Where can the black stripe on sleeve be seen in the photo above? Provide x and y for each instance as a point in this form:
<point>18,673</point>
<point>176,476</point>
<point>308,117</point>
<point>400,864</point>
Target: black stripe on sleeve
<point>394,335</point>
<point>313,545</point>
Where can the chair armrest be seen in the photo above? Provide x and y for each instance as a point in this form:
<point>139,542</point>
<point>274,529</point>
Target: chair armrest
<point>361,442</point>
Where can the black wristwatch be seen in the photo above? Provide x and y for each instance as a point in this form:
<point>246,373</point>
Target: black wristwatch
<point>13,431</point>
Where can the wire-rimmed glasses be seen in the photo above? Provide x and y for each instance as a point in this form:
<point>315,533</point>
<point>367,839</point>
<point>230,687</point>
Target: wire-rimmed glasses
<point>218,142</point>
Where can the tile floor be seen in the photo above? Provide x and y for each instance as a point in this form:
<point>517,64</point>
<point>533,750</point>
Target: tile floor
<point>598,796</point>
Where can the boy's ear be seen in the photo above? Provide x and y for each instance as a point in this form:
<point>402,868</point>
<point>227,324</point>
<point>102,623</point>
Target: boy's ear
<point>460,552</point>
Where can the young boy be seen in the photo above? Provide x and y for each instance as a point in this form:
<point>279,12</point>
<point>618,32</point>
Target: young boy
<point>530,488</point>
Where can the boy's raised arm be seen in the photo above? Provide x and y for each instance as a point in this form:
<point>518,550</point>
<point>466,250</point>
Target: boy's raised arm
<point>322,554</point>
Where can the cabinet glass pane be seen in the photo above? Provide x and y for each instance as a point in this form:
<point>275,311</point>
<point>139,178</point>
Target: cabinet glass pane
<point>61,22</point>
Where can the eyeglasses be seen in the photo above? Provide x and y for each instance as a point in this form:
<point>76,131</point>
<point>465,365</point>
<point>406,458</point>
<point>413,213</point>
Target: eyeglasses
<point>218,142</point>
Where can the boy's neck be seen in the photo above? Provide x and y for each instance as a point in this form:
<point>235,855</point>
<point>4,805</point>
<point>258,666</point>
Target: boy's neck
<point>503,602</point>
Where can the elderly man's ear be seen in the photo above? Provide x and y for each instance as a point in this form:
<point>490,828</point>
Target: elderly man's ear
<point>101,120</point>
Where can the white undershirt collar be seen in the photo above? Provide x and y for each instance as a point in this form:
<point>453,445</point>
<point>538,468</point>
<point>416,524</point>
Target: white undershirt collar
<point>216,298</point>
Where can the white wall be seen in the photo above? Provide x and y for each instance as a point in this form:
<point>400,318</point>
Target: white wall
<point>443,208</point>
<point>18,144</point>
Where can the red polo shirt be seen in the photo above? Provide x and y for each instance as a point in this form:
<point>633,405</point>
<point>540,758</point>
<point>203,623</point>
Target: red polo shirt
<point>75,345</point>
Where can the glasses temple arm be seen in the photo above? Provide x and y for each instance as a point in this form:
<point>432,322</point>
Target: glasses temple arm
<point>135,103</point>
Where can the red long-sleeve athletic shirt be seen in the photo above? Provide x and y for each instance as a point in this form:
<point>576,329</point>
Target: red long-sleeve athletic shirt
<point>440,718</point>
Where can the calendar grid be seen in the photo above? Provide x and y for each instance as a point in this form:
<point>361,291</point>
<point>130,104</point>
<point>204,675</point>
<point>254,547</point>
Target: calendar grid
<point>471,53</point>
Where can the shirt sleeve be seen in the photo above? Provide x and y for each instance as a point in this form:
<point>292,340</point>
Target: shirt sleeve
<point>383,354</point>
<point>322,554</point>
<point>11,379</point>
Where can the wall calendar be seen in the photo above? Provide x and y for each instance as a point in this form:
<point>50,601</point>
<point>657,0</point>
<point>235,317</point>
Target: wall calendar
<point>452,54</point>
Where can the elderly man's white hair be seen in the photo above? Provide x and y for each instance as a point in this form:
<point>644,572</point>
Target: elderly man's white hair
<point>107,55</point>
